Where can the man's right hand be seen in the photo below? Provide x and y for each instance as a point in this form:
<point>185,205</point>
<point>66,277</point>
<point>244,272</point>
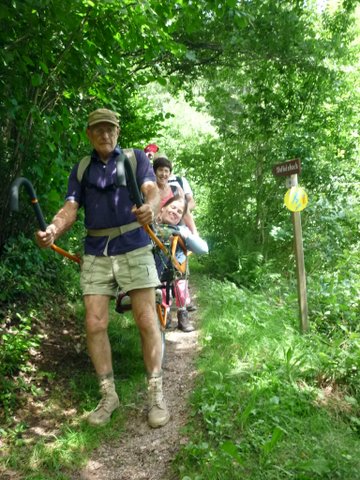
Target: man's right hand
<point>47,238</point>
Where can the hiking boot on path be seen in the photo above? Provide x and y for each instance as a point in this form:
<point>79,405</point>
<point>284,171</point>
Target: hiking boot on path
<point>168,319</point>
<point>158,414</point>
<point>108,403</point>
<point>191,307</point>
<point>183,321</point>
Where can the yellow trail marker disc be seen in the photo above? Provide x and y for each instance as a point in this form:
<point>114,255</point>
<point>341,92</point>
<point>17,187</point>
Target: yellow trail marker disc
<point>296,199</point>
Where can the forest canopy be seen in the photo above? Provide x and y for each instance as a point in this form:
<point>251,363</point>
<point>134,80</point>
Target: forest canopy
<point>278,80</point>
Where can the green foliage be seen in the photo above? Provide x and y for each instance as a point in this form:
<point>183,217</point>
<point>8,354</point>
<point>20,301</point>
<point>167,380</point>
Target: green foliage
<point>25,265</point>
<point>16,342</point>
<point>269,403</point>
<point>333,296</point>
<point>295,96</point>
<point>24,272</point>
<point>16,345</point>
<point>59,456</point>
<point>17,269</point>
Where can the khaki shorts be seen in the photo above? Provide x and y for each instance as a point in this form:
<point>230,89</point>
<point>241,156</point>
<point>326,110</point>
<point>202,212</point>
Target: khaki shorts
<point>129,271</point>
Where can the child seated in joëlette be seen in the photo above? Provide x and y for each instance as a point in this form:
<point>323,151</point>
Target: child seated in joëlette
<point>168,224</point>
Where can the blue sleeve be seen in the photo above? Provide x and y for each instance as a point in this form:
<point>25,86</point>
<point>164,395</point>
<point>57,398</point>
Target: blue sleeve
<point>74,187</point>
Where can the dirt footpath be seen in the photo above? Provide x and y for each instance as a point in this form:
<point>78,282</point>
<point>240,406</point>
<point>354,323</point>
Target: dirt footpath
<point>143,453</point>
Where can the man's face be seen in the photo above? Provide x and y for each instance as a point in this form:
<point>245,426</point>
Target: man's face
<point>103,137</point>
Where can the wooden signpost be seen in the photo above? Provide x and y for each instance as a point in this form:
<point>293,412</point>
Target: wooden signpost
<point>285,169</point>
<point>291,169</point>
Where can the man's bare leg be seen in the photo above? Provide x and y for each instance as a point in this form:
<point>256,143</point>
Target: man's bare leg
<point>143,307</point>
<point>97,320</point>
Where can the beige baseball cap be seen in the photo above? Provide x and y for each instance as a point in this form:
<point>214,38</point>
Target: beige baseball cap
<point>103,115</point>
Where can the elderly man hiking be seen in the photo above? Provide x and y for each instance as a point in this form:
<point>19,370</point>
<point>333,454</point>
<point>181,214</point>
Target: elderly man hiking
<point>118,253</point>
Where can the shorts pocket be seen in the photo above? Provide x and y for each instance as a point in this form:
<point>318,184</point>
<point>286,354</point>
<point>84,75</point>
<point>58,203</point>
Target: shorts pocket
<point>87,269</point>
<point>143,256</point>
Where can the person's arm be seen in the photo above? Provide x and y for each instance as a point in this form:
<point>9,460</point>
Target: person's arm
<point>188,193</point>
<point>190,200</point>
<point>60,224</point>
<point>148,211</point>
<point>193,242</point>
<point>188,219</point>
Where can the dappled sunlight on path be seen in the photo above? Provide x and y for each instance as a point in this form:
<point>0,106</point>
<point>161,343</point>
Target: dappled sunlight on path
<point>142,453</point>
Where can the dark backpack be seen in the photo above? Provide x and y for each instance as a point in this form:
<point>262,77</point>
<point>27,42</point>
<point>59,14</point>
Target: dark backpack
<point>122,175</point>
<point>180,181</point>
<point>84,163</point>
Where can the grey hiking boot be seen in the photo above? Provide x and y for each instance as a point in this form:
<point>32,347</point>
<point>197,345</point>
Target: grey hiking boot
<point>108,403</point>
<point>158,296</point>
<point>168,319</point>
<point>158,414</point>
<point>191,307</point>
<point>183,321</point>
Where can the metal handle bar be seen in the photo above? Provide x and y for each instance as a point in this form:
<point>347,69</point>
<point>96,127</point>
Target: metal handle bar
<point>136,196</point>
<point>14,207</point>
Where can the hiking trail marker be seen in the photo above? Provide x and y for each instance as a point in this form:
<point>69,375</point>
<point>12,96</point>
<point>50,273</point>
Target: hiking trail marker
<point>288,168</point>
<point>296,200</point>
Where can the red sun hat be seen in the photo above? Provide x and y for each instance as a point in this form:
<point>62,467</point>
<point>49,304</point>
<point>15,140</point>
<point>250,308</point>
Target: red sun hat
<point>151,148</point>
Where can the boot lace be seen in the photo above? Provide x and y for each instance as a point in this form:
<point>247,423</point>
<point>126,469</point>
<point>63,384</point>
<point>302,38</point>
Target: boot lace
<point>155,393</point>
<point>106,401</point>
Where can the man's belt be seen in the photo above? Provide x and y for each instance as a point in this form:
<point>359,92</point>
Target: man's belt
<point>112,232</point>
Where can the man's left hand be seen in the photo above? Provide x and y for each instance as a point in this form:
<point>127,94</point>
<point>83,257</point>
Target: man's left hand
<point>144,214</point>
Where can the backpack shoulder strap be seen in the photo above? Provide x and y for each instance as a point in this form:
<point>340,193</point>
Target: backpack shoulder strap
<point>180,182</point>
<point>130,174</point>
<point>85,162</point>
<point>174,189</point>
<point>83,165</point>
<point>121,174</point>
<point>129,152</point>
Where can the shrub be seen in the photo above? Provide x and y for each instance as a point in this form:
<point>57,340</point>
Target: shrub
<point>16,343</point>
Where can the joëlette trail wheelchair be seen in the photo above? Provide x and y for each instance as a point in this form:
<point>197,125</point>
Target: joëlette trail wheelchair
<point>166,244</point>
<point>169,268</point>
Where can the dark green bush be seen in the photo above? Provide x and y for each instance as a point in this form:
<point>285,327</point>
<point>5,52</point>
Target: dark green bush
<point>334,295</point>
<point>19,260</point>
<point>16,342</point>
<point>31,280</point>
<point>25,270</point>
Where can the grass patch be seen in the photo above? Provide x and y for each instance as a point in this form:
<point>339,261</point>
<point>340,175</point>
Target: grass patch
<point>266,404</point>
<point>62,442</point>
<point>269,403</point>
